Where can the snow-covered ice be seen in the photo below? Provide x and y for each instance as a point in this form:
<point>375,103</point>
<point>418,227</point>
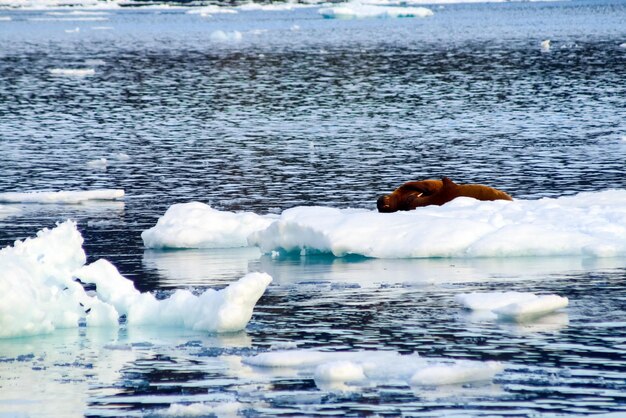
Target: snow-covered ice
<point>69,197</point>
<point>208,11</point>
<point>72,72</point>
<point>358,10</point>
<point>222,36</point>
<point>591,224</point>
<point>376,367</point>
<point>587,224</point>
<point>517,306</point>
<point>39,293</point>
<point>197,225</point>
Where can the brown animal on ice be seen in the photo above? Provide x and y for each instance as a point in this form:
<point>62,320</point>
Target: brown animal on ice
<point>415,194</point>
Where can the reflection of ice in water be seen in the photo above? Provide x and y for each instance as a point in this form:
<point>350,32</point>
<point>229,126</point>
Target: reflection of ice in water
<point>371,272</point>
<point>200,267</point>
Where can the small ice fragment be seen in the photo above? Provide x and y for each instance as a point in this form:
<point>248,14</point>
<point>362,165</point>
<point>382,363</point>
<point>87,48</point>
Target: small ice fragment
<point>534,308</point>
<point>121,156</point>
<point>73,196</point>
<point>460,372</point>
<point>100,163</point>
<point>491,300</point>
<point>102,28</point>
<point>221,36</point>
<point>5,18</point>
<point>339,371</point>
<point>622,45</point>
<point>295,27</point>
<point>72,72</point>
<point>75,30</point>
<point>94,62</point>
<point>545,45</point>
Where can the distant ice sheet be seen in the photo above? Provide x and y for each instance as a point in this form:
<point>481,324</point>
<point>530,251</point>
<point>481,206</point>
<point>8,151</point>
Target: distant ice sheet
<point>39,293</point>
<point>516,306</point>
<point>196,225</point>
<point>358,10</point>
<point>339,370</point>
<point>208,11</point>
<point>61,196</point>
<point>72,72</point>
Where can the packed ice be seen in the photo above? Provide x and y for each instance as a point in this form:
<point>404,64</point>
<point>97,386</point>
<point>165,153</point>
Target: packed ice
<point>376,367</point>
<point>41,289</point>
<point>358,10</point>
<point>517,306</point>
<point>69,197</point>
<point>197,225</point>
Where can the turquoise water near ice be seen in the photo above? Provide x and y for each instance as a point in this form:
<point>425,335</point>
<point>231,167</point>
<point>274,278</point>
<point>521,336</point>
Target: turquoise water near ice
<point>328,113</point>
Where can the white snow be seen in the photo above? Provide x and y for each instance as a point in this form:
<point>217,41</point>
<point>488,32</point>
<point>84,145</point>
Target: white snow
<point>375,367</point>
<point>39,293</point>
<point>517,306</point>
<point>72,72</point>
<point>69,197</point>
<point>196,225</point>
<point>358,10</point>
<point>207,11</point>
<point>587,224</point>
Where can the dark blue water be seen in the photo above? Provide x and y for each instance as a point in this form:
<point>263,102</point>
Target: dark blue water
<point>330,113</point>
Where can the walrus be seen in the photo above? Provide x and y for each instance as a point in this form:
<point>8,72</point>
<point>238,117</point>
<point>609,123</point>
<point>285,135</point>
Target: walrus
<point>415,194</point>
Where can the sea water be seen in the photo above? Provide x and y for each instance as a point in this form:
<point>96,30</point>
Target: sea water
<point>265,110</point>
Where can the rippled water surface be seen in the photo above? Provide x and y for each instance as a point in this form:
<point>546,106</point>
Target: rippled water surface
<point>307,111</point>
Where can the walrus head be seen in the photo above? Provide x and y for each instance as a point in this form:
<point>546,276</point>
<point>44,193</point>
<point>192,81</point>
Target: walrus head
<point>409,196</point>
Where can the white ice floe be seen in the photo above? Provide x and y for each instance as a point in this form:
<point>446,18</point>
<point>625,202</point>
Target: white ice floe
<point>516,306</point>
<point>69,197</point>
<point>72,72</point>
<point>358,10</point>
<point>98,164</point>
<point>5,18</point>
<point>196,225</point>
<point>39,293</point>
<point>376,367</point>
<point>208,11</point>
<point>588,224</point>
<point>75,30</point>
<point>545,45</point>
<point>225,409</point>
<point>272,7</point>
<point>221,36</point>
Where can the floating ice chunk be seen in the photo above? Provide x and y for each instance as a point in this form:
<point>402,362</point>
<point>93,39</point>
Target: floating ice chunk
<point>99,164</point>
<point>39,293</point>
<point>221,36</point>
<point>339,371</point>
<point>295,27</point>
<point>463,371</point>
<point>207,11</point>
<point>587,224</point>
<point>226,409</point>
<point>6,211</point>
<point>75,30</point>
<point>272,7</point>
<point>196,225</point>
<point>102,28</point>
<point>121,156</point>
<point>545,45</point>
<point>356,10</point>
<point>5,18</point>
<point>513,305</point>
<point>69,197</point>
<point>622,45</point>
<point>95,62</point>
<point>72,72</point>
<point>492,300</point>
<point>532,308</point>
<point>376,367</point>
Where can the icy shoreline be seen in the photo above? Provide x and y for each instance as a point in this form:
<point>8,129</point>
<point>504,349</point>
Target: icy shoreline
<point>587,224</point>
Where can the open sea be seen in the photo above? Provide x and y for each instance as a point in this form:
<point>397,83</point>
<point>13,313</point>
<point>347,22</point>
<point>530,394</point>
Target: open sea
<point>266,110</point>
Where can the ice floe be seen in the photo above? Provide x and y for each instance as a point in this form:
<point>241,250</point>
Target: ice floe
<point>208,11</point>
<point>39,292</point>
<point>591,224</point>
<point>375,367</point>
<point>221,36</point>
<point>358,10</point>
<point>517,306</point>
<point>196,225</point>
<point>69,197</point>
<point>72,72</point>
